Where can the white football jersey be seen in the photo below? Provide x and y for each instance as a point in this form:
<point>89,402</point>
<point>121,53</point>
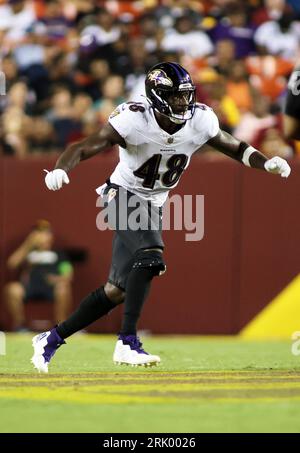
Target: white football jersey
<point>153,160</point>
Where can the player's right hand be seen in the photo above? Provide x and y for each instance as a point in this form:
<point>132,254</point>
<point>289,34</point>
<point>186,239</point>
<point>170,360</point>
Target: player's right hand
<point>278,166</point>
<point>55,179</point>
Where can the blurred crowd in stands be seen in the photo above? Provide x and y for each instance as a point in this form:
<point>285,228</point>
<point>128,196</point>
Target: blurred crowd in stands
<point>69,63</point>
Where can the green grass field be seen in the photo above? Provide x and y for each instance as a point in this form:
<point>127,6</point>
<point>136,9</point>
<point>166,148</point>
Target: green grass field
<point>219,384</point>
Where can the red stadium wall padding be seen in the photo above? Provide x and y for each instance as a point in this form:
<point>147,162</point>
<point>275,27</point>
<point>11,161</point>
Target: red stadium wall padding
<point>249,251</point>
<point>195,294</point>
<point>270,232</point>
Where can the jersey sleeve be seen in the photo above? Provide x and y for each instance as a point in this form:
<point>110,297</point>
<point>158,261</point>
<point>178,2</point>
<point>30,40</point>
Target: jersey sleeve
<point>121,120</point>
<point>206,124</point>
<point>129,119</point>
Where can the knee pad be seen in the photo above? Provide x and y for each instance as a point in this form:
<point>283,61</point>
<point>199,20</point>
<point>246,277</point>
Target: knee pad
<point>114,294</point>
<point>151,260</point>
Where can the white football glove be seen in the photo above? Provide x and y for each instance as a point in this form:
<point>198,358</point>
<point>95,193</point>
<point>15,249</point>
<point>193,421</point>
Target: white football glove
<point>278,166</point>
<point>56,178</point>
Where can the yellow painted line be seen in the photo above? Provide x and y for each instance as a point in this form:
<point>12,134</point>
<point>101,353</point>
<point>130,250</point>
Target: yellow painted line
<point>199,380</point>
<point>71,396</point>
<point>280,318</point>
<point>193,380</point>
<point>144,388</point>
<point>86,398</point>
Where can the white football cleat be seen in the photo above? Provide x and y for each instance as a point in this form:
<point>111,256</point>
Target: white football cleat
<point>129,351</point>
<point>45,345</point>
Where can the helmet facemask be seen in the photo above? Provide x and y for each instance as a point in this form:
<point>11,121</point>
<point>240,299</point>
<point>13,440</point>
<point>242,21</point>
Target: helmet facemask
<point>177,104</point>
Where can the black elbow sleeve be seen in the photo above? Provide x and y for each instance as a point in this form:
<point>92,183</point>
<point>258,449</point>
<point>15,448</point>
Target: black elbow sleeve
<point>242,148</point>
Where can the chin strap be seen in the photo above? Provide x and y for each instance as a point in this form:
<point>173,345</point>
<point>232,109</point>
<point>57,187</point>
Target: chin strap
<point>176,120</point>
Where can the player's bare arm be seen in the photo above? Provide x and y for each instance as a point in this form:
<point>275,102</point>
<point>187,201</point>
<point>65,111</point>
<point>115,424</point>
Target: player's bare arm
<point>89,147</point>
<point>243,152</point>
<point>106,138</point>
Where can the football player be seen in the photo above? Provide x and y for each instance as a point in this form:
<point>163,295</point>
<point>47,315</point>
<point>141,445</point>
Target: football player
<point>157,136</point>
<point>291,119</point>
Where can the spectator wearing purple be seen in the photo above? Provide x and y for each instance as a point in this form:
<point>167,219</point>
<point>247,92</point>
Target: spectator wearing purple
<point>55,22</point>
<point>235,26</point>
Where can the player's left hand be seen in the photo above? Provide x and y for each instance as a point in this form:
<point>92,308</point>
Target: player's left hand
<point>278,166</point>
